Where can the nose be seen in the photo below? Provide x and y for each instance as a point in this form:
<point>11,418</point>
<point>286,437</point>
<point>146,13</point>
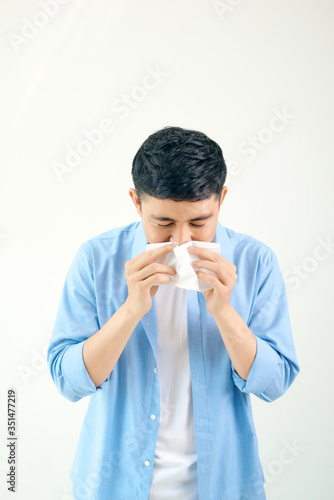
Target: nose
<point>181,235</point>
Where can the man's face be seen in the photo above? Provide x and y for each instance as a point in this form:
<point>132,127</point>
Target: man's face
<point>181,221</point>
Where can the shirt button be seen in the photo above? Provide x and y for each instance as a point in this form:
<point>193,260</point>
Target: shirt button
<point>153,417</point>
<point>155,370</point>
<point>147,463</point>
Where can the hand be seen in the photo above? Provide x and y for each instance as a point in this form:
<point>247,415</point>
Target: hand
<point>142,274</point>
<point>218,297</point>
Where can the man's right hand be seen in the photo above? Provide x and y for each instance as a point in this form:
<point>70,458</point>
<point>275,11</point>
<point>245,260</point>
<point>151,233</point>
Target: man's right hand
<point>142,274</point>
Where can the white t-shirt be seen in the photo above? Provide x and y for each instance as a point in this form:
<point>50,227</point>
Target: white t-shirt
<point>175,464</point>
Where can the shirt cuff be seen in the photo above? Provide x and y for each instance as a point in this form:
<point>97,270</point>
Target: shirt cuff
<point>75,372</point>
<point>262,370</point>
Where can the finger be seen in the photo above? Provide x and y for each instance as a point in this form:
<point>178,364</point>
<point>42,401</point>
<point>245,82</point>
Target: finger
<point>209,278</point>
<point>153,269</point>
<point>210,266</point>
<point>204,253</point>
<point>206,264</point>
<point>156,279</point>
<point>218,267</point>
<point>158,252</point>
<point>150,256</point>
<point>224,274</point>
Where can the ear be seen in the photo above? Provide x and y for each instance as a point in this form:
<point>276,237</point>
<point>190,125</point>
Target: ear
<point>135,199</point>
<point>223,194</point>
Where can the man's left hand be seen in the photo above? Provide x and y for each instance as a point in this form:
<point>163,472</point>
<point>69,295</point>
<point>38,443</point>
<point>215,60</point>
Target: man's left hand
<point>218,297</point>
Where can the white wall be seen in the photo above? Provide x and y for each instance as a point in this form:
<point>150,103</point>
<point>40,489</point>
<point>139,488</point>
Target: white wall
<point>223,70</point>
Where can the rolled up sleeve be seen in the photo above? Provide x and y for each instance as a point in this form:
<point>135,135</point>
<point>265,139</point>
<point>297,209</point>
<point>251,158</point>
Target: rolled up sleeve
<point>76,320</point>
<point>275,365</point>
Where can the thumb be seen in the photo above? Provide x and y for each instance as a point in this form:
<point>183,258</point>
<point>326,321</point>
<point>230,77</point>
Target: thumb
<point>154,290</point>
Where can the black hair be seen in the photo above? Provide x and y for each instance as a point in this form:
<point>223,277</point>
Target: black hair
<point>179,164</point>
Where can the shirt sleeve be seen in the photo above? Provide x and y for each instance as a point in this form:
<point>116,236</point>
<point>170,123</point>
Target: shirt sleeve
<point>76,320</point>
<point>275,365</point>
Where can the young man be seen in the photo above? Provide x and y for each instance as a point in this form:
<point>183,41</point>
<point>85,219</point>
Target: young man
<point>170,370</point>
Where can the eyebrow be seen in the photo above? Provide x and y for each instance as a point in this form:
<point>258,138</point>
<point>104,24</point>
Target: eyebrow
<point>203,217</point>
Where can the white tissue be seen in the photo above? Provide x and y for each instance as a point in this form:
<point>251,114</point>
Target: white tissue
<point>181,260</point>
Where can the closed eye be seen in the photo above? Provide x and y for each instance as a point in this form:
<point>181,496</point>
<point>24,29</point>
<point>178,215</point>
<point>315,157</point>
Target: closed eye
<point>194,225</point>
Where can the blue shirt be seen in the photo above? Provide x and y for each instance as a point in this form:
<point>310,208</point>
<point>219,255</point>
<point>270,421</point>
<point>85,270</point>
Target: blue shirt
<point>115,453</point>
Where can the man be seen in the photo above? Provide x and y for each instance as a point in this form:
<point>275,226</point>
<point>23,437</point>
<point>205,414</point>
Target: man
<point>171,370</point>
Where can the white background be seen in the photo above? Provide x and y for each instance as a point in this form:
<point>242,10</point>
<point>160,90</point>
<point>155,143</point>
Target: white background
<point>227,70</point>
